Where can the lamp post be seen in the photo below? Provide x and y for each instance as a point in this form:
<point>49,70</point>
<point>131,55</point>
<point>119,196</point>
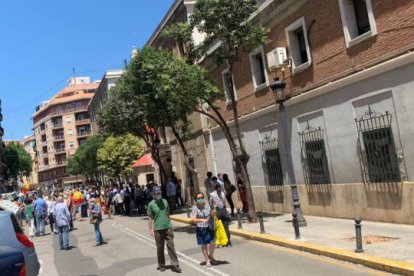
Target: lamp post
<point>156,144</point>
<point>278,88</point>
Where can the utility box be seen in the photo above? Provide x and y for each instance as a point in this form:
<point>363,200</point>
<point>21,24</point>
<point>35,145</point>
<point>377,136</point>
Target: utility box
<point>276,58</point>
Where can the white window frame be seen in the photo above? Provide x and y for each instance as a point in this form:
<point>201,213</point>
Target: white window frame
<point>349,23</point>
<point>70,132</point>
<point>292,46</point>
<point>225,88</point>
<point>68,119</point>
<point>253,68</point>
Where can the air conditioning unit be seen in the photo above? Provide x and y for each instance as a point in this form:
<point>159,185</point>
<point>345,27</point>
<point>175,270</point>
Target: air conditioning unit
<point>276,58</point>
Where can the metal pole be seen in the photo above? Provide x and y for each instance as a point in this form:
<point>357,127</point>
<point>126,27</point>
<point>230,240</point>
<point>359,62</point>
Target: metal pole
<point>239,221</point>
<point>358,235</point>
<point>291,175</point>
<point>296,226</point>
<point>260,216</point>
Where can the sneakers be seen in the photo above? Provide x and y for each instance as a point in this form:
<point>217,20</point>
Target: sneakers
<point>176,269</point>
<point>161,268</point>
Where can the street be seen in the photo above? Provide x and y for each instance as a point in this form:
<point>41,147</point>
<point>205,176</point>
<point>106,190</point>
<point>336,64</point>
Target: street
<point>131,251</point>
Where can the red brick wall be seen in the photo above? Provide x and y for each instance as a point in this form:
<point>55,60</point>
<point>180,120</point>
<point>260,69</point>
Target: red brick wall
<point>331,60</point>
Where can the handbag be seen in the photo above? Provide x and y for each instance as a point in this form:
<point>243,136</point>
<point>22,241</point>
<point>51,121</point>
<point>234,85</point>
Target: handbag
<point>93,220</point>
<point>233,188</point>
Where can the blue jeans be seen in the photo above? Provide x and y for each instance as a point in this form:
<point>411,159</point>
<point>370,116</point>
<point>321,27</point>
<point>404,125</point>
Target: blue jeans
<point>40,223</point>
<point>98,234</point>
<point>63,237</point>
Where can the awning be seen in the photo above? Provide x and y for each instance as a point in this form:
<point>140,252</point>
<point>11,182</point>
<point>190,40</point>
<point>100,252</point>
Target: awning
<point>145,160</point>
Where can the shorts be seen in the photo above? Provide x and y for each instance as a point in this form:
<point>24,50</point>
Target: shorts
<point>204,235</point>
<point>77,208</point>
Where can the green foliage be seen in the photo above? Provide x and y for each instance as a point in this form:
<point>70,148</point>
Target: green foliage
<point>84,161</point>
<point>227,22</point>
<point>117,154</point>
<point>158,88</point>
<point>19,162</point>
<point>182,34</point>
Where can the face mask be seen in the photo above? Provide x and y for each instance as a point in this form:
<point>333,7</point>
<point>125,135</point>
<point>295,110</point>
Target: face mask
<point>200,200</point>
<point>158,197</point>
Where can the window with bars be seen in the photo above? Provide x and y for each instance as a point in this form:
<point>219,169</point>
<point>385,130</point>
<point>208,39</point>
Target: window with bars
<point>380,158</point>
<point>272,166</point>
<point>315,160</point>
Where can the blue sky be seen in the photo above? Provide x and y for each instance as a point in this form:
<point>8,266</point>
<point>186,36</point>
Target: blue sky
<point>42,40</point>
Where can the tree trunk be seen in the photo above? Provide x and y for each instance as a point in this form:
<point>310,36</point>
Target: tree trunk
<point>192,172</point>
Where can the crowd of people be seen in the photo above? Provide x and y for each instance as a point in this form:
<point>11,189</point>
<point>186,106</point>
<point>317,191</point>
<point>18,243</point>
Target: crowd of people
<point>61,209</point>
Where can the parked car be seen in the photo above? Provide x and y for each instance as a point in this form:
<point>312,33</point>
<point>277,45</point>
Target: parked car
<point>12,261</point>
<point>12,235</point>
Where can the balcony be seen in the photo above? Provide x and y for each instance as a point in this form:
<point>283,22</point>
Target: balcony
<point>58,138</point>
<point>83,122</point>
<point>84,133</point>
<point>57,125</point>
<point>61,162</point>
<point>60,149</point>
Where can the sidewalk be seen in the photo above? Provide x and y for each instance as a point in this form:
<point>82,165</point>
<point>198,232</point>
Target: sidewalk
<point>388,247</point>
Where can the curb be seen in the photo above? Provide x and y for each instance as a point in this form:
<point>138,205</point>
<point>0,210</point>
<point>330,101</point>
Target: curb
<point>382,264</point>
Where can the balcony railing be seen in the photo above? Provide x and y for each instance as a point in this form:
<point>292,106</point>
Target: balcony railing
<point>57,125</point>
<point>69,110</point>
<point>83,121</point>
<point>84,133</point>
<point>58,137</point>
<point>61,149</point>
<point>61,162</point>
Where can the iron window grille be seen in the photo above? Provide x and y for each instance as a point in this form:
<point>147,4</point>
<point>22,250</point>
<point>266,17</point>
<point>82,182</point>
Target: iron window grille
<point>315,161</point>
<point>272,166</point>
<point>379,155</point>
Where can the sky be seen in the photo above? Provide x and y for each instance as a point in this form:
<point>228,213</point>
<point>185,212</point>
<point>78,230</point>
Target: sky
<point>43,40</point>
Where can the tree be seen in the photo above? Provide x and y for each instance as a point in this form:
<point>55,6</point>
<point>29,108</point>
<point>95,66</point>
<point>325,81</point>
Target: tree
<point>157,89</point>
<point>85,160</point>
<point>117,155</point>
<point>226,25</point>
<point>19,162</point>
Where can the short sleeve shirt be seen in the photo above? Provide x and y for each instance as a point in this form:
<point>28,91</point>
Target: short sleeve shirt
<point>159,212</point>
<point>201,213</point>
<point>216,200</point>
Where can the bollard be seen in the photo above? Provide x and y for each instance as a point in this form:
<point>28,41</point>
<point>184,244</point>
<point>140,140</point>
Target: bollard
<point>187,206</point>
<point>239,221</point>
<point>358,235</point>
<point>260,215</point>
<point>295,224</point>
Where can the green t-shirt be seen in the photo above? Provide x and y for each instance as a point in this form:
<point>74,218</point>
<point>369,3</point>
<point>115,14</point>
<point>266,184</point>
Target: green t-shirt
<point>159,212</point>
<point>29,211</point>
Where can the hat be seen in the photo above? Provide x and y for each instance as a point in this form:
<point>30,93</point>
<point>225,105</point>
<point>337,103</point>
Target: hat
<point>156,190</point>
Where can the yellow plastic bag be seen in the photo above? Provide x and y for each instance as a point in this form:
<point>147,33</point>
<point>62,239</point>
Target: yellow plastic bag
<point>221,237</point>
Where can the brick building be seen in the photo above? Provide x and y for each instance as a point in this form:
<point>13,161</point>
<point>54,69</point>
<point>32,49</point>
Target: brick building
<point>349,71</point>
<point>349,84</point>
<point>60,126</point>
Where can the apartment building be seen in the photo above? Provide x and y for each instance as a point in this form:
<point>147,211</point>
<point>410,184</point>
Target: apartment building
<point>29,144</point>
<point>60,126</point>
<point>108,81</point>
<point>348,66</point>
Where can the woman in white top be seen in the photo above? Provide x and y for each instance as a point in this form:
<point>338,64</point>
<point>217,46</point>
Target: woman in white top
<point>201,216</point>
<point>50,202</point>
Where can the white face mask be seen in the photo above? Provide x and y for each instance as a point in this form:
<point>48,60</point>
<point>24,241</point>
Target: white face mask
<point>158,197</point>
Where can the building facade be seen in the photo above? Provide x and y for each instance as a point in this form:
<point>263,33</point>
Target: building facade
<point>29,144</point>
<point>344,134</point>
<point>349,73</point>
<point>108,81</point>
<point>60,126</point>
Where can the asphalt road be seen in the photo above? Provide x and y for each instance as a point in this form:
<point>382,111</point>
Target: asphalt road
<point>131,251</point>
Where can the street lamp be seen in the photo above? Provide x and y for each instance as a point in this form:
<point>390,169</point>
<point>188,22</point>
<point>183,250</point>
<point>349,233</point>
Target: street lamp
<point>278,88</point>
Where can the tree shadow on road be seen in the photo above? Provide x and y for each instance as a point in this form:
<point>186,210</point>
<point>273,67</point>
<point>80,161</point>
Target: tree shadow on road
<point>185,229</point>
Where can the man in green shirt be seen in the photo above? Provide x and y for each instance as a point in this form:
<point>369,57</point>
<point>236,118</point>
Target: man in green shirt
<point>160,228</point>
